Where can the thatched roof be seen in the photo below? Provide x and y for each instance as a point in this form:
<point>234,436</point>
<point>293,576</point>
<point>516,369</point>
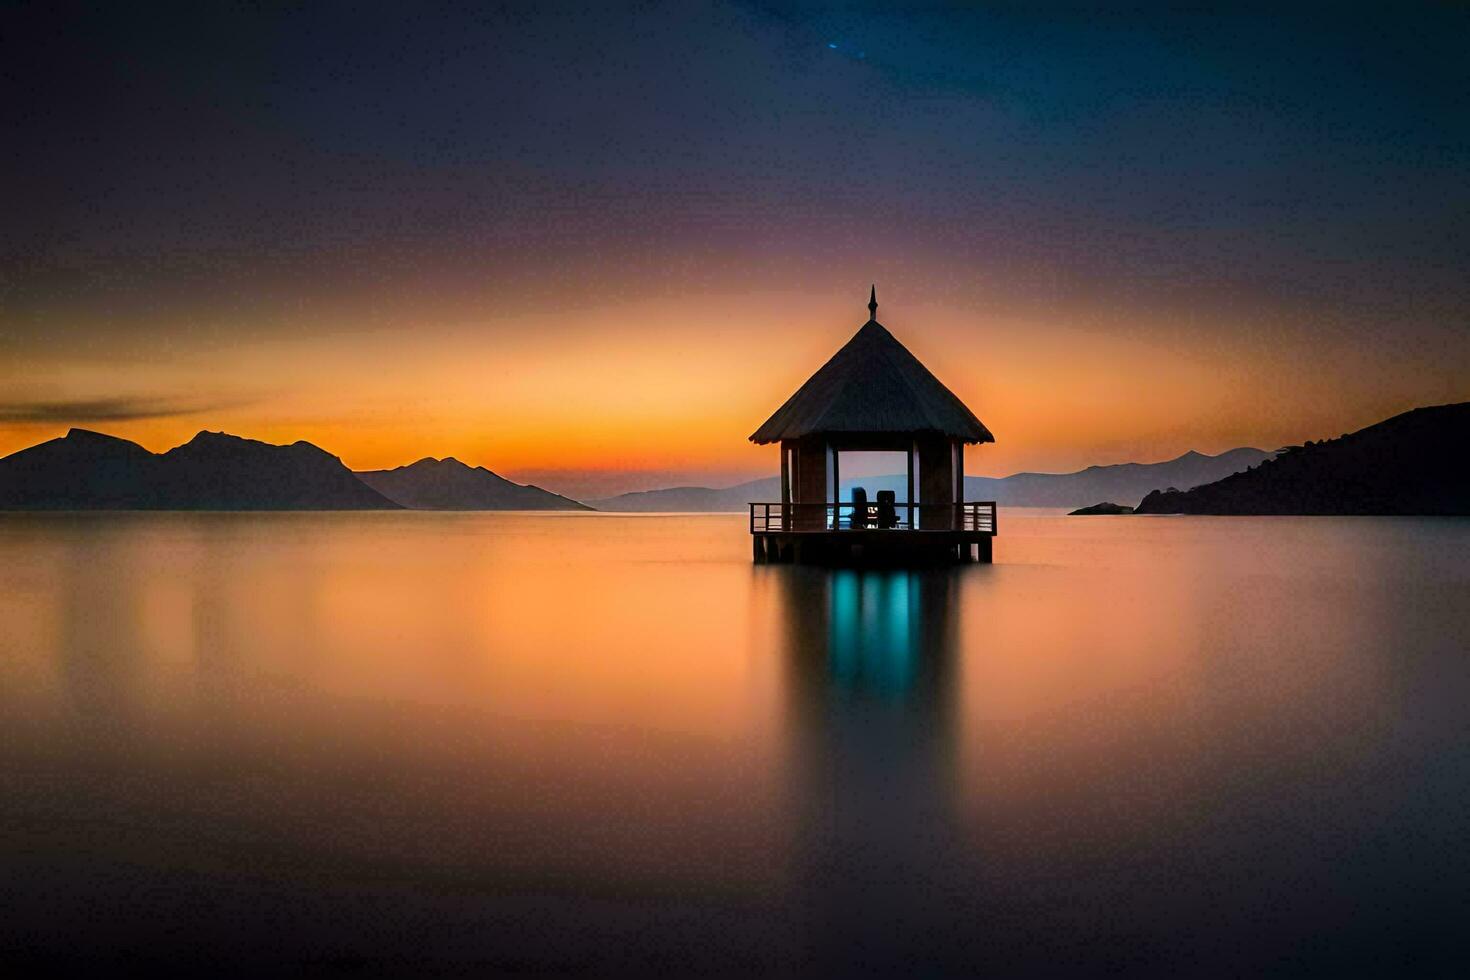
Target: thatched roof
<point>873,385</point>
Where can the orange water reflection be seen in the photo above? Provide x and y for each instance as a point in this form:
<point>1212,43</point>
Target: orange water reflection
<point>1106,734</point>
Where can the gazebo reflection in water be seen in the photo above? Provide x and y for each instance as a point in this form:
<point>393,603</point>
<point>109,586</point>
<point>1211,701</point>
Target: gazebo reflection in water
<point>872,692</point>
<point>876,634</point>
<point>873,635</point>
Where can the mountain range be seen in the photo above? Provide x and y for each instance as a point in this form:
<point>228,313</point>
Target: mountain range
<point>1414,463</point>
<point>448,484</point>
<point>86,470</point>
<point>1122,481</point>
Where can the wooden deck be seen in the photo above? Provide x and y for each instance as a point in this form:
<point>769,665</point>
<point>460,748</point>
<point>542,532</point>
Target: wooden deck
<point>843,533</point>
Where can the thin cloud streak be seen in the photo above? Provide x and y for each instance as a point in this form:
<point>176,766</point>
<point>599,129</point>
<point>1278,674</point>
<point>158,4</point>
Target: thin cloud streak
<point>117,409</point>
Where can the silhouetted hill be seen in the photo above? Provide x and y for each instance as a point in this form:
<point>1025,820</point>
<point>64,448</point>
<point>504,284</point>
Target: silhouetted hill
<point>215,471</point>
<point>90,471</point>
<point>80,471</point>
<point>1123,481</point>
<point>448,484</point>
<point>1413,463</point>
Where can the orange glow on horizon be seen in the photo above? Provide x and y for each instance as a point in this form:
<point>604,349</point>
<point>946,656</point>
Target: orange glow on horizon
<point>663,388</point>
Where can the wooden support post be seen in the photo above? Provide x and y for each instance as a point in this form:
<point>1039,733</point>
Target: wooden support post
<point>836,490</point>
<point>913,511</point>
<point>984,549</point>
<point>786,453</point>
<point>936,483</point>
<point>809,494</point>
<point>959,473</point>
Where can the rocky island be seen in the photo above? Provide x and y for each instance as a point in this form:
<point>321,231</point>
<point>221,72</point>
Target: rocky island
<point>1107,508</point>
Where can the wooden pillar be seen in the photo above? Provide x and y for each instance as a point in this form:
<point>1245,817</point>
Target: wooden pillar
<point>785,471</point>
<point>913,511</point>
<point>936,483</point>
<point>959,472</point>
<point>811,471</point>
<point>810,488</point>
<point>788,450</point>
<point>836,489</point>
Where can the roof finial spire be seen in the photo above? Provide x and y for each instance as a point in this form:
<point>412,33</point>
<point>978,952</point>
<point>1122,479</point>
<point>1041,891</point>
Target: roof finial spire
<point>873,302</point>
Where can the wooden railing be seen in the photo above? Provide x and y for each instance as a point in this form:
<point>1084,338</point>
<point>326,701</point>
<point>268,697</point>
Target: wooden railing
<point>972,515</point>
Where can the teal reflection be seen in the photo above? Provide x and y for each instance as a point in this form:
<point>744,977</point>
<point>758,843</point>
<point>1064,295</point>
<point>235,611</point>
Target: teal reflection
<point>874,641</point>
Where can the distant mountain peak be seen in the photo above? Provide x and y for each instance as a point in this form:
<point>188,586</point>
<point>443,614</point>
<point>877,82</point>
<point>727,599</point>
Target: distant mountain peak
<point>86,444</point>
<point>451,484</point>
<point>89,436</point>
<point>215,442</point>
<point>434,463</point>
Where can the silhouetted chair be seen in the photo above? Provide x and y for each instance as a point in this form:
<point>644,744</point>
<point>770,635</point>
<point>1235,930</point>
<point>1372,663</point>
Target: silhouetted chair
<point>859,508</point>
<point>887,512</point>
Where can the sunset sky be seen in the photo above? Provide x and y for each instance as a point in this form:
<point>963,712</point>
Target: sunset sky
<point>594,247</point>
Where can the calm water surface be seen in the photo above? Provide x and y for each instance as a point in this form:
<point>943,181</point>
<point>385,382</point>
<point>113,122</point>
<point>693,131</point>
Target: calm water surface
<point>568,742</point>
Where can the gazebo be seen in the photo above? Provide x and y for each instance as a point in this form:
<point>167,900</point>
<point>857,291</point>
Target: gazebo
<point>873,395</point>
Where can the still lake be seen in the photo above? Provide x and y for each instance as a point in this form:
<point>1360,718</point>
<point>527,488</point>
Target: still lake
<point>612,743</point>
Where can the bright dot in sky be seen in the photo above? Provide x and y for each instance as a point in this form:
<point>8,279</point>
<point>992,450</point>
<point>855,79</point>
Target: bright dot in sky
<point>832,45</point>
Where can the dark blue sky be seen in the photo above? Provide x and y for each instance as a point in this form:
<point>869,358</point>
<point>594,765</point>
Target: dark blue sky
<point>1300,154</point>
